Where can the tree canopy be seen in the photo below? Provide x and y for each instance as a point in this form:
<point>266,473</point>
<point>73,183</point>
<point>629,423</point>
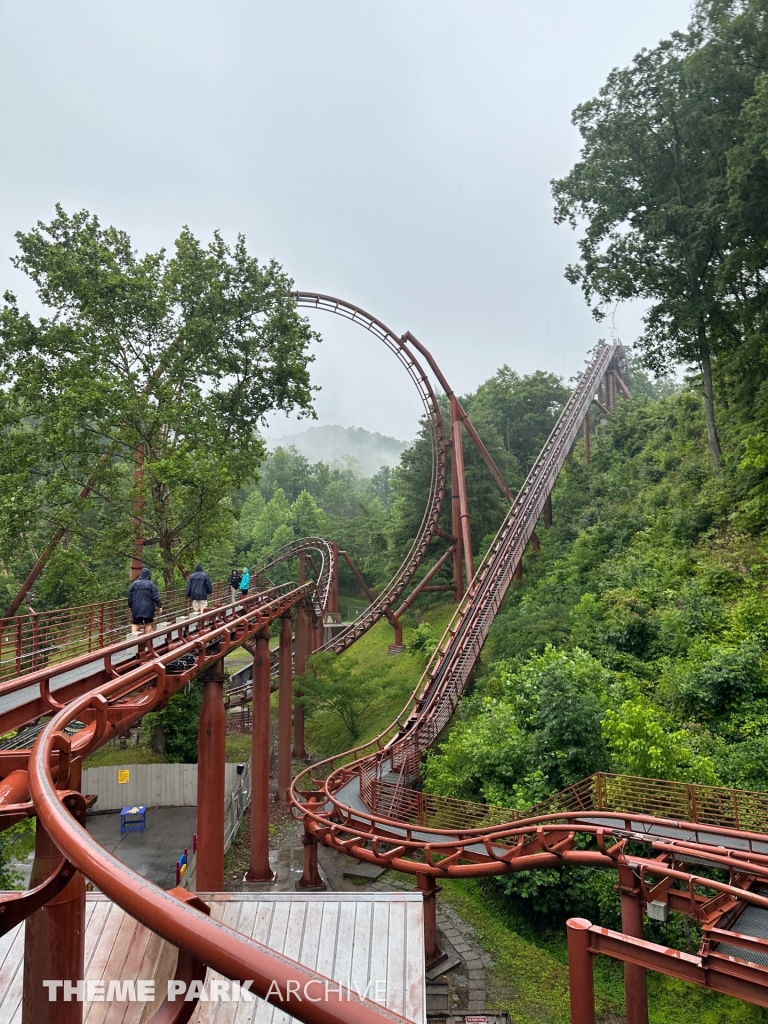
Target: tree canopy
<point>668,195</point>
<point>145,381</point>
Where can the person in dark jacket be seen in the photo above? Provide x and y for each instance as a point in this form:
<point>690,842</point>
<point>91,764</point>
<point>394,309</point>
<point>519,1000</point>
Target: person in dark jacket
<point>234,585</point>
<point>198,588</point>
<point>143,599</point>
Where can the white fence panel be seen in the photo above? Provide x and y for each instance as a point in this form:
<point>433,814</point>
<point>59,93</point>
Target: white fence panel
<point>157,785</point>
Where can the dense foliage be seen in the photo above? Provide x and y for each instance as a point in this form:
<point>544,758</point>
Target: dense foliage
<point>637,641</point>
<point>130,409</point>
<point>670,192</point>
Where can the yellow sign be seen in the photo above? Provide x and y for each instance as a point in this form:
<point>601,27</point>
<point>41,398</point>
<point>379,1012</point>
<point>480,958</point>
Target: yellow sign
<point>123,775</point>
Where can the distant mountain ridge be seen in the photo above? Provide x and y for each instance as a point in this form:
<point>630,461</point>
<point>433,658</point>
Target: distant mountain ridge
<point>333,443</point>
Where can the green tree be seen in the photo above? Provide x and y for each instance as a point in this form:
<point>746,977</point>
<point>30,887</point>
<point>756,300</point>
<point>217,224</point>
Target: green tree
<point>345,691</point>
<point>307,518</point>
<point>275,514</point>
<point>523,410</point>
<point>640,744</point>
<point>174,729</point>
<point>652,193</point>
<point>147,381</point>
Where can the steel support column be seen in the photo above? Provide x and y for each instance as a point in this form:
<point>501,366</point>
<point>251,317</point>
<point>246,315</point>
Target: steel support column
<point>316,639</point>
<point>586,439</point>
<point>580,972</point>
<point>54,942</point>
<point>285,698</point>
<point>259,869</point>
<point>333,596</point>
<point>458,580</point>
<point>458,453</point>
<point>311,878</point>
<point>211,741</point>
<point>301,651</point>
<point>611,390</point>
<point>636,995</point>
<point>429,890</point>
<point>548,512</point>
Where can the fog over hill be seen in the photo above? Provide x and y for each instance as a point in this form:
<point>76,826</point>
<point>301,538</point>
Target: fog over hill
<point>332,443</point>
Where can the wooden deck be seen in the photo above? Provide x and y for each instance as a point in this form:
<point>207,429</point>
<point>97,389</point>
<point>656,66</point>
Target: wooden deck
<point>353,939</point>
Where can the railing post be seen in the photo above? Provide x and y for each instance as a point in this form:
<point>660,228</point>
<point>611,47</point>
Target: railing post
<point>211,741</point>
<point>259,869</point>
<point>580,972</point>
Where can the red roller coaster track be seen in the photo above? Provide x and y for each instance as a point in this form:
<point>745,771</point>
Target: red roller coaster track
<point>699,851</point>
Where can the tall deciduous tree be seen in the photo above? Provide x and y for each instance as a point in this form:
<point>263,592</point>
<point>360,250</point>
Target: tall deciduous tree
<point>651,189</point>
<point>147,381</point>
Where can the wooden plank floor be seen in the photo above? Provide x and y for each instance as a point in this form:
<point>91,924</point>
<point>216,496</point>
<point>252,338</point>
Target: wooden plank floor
<point>354,939</point>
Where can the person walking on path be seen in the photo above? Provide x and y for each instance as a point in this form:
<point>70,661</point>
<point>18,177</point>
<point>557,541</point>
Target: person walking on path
<point>245,582</point>
<point>143,599</point>
<point>234,585</point>
<point>198,588</point>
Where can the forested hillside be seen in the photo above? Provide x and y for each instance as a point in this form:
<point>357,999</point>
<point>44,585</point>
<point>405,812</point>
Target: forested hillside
<point>636,640</point>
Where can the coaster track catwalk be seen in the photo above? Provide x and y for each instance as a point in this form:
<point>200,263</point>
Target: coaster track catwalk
<point>364,803</point>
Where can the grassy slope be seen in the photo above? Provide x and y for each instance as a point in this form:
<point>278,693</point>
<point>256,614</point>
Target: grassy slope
<point>398,675</point>
<point>238,749</point>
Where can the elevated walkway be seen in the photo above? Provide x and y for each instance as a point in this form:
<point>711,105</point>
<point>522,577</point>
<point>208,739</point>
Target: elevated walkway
<point>355,940</point>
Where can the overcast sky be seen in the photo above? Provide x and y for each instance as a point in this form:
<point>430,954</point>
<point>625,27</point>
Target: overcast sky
<point>395,154</point>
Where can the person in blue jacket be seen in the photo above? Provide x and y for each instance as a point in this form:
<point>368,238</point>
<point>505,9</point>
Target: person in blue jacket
<point>143,599</point>
<point>245,582</point>
<point>199,586</point>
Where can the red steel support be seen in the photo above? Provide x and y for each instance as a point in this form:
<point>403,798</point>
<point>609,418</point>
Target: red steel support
<point>636,995</point>
<point>359,576</point>
<point>317,635</point>
<point>548,512</point>
<point>458,454</point>
<point>311,878</point>
<point>54,936</point>
<point>333,596</point>
<point>429,890</point>
<point>284,709</point>
<point>212,736</point>
<point>586,439</point>
<point>423,584</point>
<point>301,651</point>
<point>458,580</point>
<point>622,387</point>
<point>259,869</point>
<point>580,972</point>
<point>518,573</point>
